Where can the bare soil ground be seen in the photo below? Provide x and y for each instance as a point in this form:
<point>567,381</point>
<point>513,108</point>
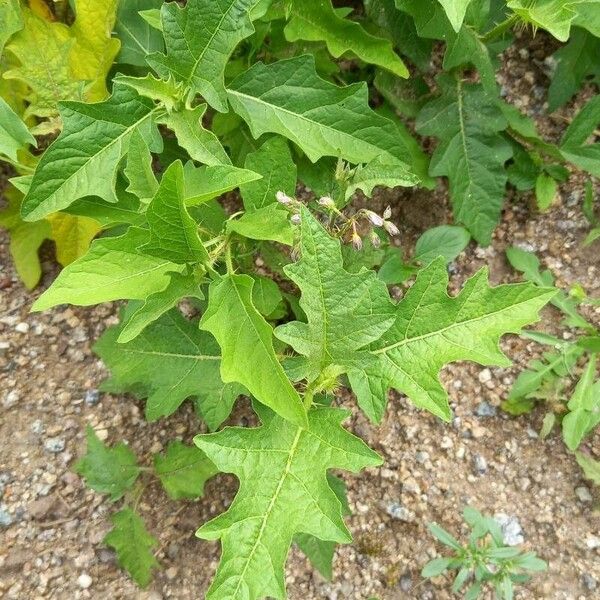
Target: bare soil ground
<point>52,527</point>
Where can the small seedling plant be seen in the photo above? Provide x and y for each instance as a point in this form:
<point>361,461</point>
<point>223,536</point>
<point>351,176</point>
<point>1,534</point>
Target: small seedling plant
<point>572,402</point>
<point>484,562</point>
<point>214,151</point>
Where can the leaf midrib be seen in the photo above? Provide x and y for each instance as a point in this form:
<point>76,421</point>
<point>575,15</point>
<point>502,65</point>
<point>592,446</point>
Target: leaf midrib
<point>328,128</point>
<point>91,158</point>
<point>271,505</point>
<point>443,330</point>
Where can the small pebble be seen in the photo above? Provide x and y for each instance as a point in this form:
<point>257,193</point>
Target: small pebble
<point>485,410</point>
<point>22,327</point>
<point>592,542</point>
<point>406,583</point>
<point>583,494</point>
<point>485,375</point>
<point>84,581</point>
<point>10,399</point>
<point>512,532</point>
<point>479,464</point>
<point>399,512</point>
<point>55,445</point>
<point>422,457</point>
<point>92,397</point>
<point>446,442</point>
<point>6,519</point>
<point>589,582</point>
<point>37,427</point>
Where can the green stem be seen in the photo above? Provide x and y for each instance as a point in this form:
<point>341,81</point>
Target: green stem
<point>497,31</point>
<point>228,260</point>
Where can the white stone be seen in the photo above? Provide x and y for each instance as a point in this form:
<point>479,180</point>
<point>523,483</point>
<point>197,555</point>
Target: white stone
<point>22,327</point>
<point>485,375</point>
<point>84,581</point>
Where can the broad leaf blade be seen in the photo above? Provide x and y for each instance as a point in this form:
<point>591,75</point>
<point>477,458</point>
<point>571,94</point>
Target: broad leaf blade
<point>273,161</point>
<point>14,134</point>
<point>133,545</point>
<point>201,144</point>
<point>183,470</point>
<point>110,471</point>
<point>83,160</point>
<point>283,490</point>
<point>247,346</point>
<point>317,21</point>
<point>113,269</point>
<point>200,38</point>
<point>471,153</point>
<point>173,232</point>
<point>169,361</point>
<point>345,311</point>
<point>138,38</point>
<point>433,329</point>
<point>288,98</point>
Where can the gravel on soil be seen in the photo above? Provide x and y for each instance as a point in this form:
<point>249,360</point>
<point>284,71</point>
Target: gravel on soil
<point>52,527</point>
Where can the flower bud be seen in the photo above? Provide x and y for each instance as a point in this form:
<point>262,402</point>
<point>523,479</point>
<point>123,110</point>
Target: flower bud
<point>387,213</point>
<point>375,240</point>
<point>375,219</point>
<point>283,198</point>
<point>327,202</point>
<point>356,239</point>
<point>391,228</point>
<point>296,219</point>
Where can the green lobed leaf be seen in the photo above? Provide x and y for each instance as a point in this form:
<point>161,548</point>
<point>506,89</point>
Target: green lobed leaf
<point>200,39</point>
<point>133,545</point>
<point>399,26</point>
<point>463,47</point>
<point>320,552</point>
<point>270,223</point>
<point>573,144</point>
<point>201,144</point>
<point>289,98</point>
<point>166,91</point>
<point>83,160</point>
<point>345,311</point>
<point>110,471</point>
<point>283,491</point>
<point>576,61</point>
<point>379,173</point>
<point>318,21</point>
<point>14,134</point>
<point>11,19</point>
<point>246,344</point>
<point>205,183</point>
<point>555,16</point>
<point>112,269</point>
<point>584,407</point>
<point>169,361</point>
<point>433,329</point>
<point>471,153</point>
<point>273,161</point>
<point>139,172</point>
<point>157,304</point>
<point>173,232</point>
<point>183,470</point>
<point>138,38</point>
